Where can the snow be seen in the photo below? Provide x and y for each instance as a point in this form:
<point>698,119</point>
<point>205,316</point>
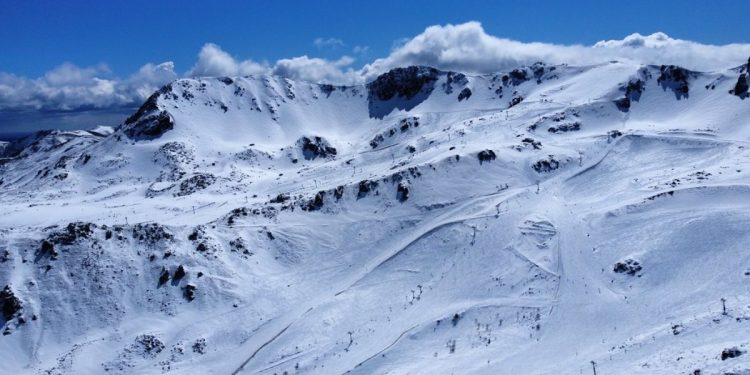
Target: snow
<point>503,266</point>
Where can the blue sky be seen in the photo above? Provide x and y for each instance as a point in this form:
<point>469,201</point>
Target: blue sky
<point>112,40</point>
<point>39,35</point>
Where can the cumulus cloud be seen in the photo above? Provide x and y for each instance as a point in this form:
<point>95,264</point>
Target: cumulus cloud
<point>464,47</point>
<point>467,47</point>
<point>215,62</point>
<point>317,70</point>
<point>149,78</point>
<point>69,87</point>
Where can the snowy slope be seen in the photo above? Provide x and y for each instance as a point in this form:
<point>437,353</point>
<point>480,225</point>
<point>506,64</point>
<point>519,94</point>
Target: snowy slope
<point>525,222</point>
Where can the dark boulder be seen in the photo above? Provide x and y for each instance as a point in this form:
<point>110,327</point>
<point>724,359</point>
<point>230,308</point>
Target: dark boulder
<point>164,277</point>
<point>515,101</point>
<point>48,249</point>
<point>402,192</point>
<point>10,305</point>
<point>536,145</point>
<point>731,353</point>
<point>281,198</point>
<point>200,346</point>
<point>179,273</point>
<point>546,165</point>
<point>316,203</point>
<point>486,156</point>
<point>464,94</point>
<point>628,266</point>
<point>623,104</point>
<point>338,192</point>
<point>612,134</point>
<point>365,187</point>
<point>189,292</point>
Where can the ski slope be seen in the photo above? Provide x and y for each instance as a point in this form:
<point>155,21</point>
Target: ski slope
<point>526,222</point>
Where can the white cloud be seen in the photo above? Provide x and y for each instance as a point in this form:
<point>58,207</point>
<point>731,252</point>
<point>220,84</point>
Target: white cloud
<point>328,43</point>
<point>149,78</point>
<point>465,47</point>
<point>317,70</point>
<point>215,62</point>
<point>69,87</point>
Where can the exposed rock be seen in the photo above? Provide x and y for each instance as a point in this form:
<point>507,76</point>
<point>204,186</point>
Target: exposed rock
<point>741,87</point>
<point>164,276</point>
<point>452,78</point>
<point>316,147</point>
<point>365,187</point>
<point>316,203</point>
<point>564,128</point>
<point>546,165</point>
<point>731,353</point>
<point>281,198</point>
<point>47,248</point>
<point>674,78</point>
<point>376,141</point>
<point>151,233</point>
<point>628,266</point>
<point>612,134</point>
<point>402,82</point>
<point>403,126</point>
<point>338,192</point>
<point>515,101</point>
<point>464,94</point>
<point>536,145</point>
<point>238,245</point>
<point>179,273</point>
<point>200,346</point>
<point>149,122</point>
<point>486,155</point>
<point>71,233</point>
<point>226,80</point>
<point>402,192</point>
<point>327,89</point>
<point>189,292</point>
<point>516,77</point>
<point>196,182</point>
<point>633,91</point>
<point>10,305</point>
<point>148,345</point>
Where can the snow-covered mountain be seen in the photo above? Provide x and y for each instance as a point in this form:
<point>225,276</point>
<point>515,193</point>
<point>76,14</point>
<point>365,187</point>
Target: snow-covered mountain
<point>544,220</point>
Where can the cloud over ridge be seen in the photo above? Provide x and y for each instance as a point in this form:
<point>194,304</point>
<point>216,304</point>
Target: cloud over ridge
<point>463,47</point>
